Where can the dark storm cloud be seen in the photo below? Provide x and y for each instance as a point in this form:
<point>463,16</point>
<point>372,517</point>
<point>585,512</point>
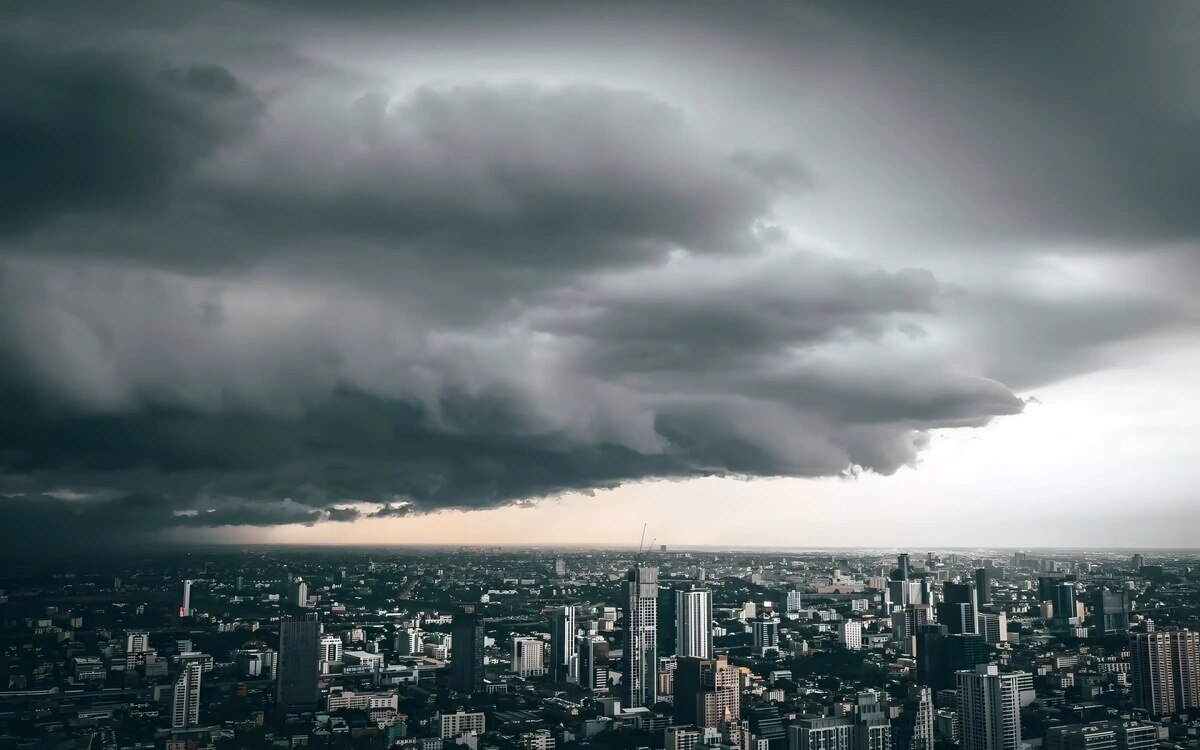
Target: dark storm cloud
<point>232,295</point>
<point>95,131</point>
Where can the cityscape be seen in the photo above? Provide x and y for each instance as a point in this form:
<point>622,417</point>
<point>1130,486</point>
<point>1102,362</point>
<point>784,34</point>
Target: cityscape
<point>544,649</point>
<point>599,375</point>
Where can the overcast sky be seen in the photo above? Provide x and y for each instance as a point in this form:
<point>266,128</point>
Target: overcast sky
<point>825,273</point>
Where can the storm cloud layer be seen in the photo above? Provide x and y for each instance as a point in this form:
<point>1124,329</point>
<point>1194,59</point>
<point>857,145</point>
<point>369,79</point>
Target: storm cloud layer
<point>241,285</point>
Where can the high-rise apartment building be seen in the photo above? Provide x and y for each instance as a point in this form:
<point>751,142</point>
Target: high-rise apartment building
<point>185,702</point>
<point>298,663</point>
<point>185,610</point>
<point>466,659</point>
<point>913,729</point>
<point>794,602</point>
<point>1152,669</point>
<point>989,709</point>
<point>640,654</point>
<point>562,644</point>
<point>707,691</point>
<point>693,617</point>
<point>528,657</point>
<point>850,634</point>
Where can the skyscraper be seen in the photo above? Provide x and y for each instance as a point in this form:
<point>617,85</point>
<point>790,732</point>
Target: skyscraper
<point>983,587</point>
<point>562,643</point>
<point>1185,653</point>
<point>640,654</point>
<point>1165,667</point>
<point>913,729</point>
<point>958,608</point>
<point>707,691</point>
<point>466,660</point>
<point>993,627</point>
<point>907,622</point>
<point>872,729</point>
<point>668,620</point>
<point>298,663</point>
<point>693,616</point>
<point>301,593</point>
<point>1111,610</point>
<point>185,703</point>
<point>186,609</point>
<point>794,601</point>
<point>989,709</point>
<point>1152,670</point>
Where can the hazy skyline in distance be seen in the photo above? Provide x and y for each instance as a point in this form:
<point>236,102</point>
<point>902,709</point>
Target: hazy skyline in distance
<point>816,274</point>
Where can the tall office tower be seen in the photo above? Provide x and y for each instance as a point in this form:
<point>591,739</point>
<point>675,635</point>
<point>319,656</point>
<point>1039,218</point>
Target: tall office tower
<point>667,617</point>
<point>989,709</point>
<point>186,609</point>
<point>593,674</point>
<point>959,608</point>
<point>913,729</point>
<point>640,656</point>
<point>1111,611</point>
<point>983,587</point>
<point>932,657</point>
<point>902,565</point>
<point>766,635</point>
<point>707,691</point>
<point>993,627</point>
<point>528,656</point>
<point>466,660</point>
<point>693,617</point>
<point>1185,657</point>
<point>907,622</point>
<point>850,634</point>
<point>794,603</point>
<point>872,729</point>
<point>1065,598</point>
<point>1138,561</point>
<point>562,643</point>
<point>927,595</point>
<point>300,593</point>
<point>560,567</point>
<point>298,662</point>
<point>185,703</point>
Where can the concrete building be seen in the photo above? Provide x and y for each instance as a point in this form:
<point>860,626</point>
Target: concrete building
<point>989,709</point>
<point>850,634</point>
<point>460,723</point>
<point>528,657</point>
<point>185,702</point>
<point>639,657</point>
<point>693,619</point>
<point>707,691</point>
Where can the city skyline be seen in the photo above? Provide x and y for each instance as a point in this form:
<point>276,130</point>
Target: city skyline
<point>843,273</point>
